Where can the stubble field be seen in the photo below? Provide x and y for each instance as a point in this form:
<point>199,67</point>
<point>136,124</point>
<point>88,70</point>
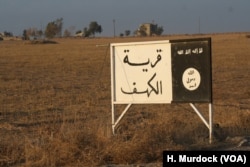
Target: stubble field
<point>55,106</point>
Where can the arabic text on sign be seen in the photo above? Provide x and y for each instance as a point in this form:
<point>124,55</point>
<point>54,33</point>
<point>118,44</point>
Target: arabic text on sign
<point>190,51</point>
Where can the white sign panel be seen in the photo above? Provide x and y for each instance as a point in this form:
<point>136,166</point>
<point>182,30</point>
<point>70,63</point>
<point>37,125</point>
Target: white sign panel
<point>141,72</point>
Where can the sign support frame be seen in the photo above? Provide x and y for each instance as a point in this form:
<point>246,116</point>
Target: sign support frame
<point>209,124</point>
<point>115,122</point>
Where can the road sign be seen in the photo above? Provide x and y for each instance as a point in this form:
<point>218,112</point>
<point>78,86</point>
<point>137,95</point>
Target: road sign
<point>161,71</point>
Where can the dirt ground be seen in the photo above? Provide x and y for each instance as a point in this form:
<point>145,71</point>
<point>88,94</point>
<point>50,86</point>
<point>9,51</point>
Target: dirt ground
<point>55,106</point>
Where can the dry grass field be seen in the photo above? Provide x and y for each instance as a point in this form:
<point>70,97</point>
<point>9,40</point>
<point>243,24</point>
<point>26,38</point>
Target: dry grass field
<point>55,105</point>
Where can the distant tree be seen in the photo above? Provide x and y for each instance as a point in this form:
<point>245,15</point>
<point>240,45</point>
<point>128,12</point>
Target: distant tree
<point>86,32</point>
<point>127,32</point>
<point>40,33</point>
<point>66,33</point>
<point>159,30</point>
<point>93,28</point>
<point>51,30</point>
<point>32,32</point>
<point>69,31</point>
<point>25,35</point>
<point>54,28</point>
<point>121,34</point>
<point>8,34</point>
<point>59,23</point>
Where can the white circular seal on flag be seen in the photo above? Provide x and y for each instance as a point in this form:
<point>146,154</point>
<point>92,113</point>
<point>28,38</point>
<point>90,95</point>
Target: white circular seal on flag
<point>191,79</point>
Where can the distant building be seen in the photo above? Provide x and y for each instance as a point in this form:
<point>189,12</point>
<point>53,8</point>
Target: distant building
<point>79,34</point>
<point>2,34</point>
<point>8,36</point>
<point>146,29</point>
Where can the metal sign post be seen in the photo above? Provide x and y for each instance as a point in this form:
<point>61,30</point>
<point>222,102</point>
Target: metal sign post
<point>209,124</point>
<point>115,122</point>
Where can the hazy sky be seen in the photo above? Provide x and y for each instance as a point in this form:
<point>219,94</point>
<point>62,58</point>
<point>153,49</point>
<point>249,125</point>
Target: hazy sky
<point>176,16</point>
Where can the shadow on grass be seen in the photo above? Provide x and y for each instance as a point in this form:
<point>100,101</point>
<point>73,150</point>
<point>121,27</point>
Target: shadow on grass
<point>41,42</point>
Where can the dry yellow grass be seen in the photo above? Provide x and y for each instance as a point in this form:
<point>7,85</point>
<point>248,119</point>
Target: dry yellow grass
<point>55,105</point>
